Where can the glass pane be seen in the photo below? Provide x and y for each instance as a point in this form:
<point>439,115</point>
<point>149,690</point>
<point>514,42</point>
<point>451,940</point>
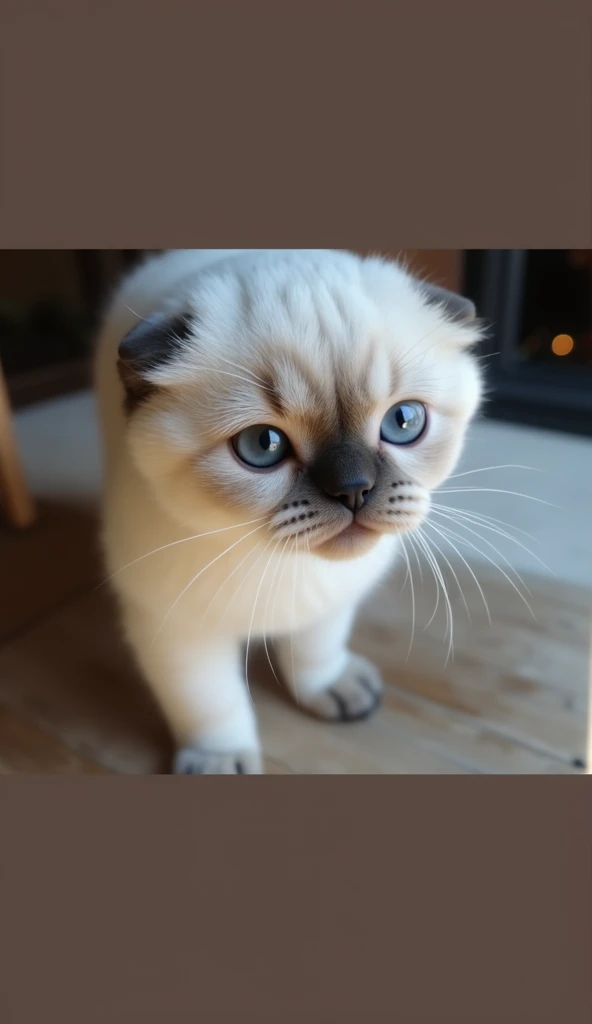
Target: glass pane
<point>556,324</point>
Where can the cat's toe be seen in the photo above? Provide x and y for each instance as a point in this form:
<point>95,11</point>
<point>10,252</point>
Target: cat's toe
<point>197,761</point>
<point>354,696</point>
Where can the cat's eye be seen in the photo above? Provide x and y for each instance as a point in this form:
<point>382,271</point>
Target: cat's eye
<point>404,423</point>
<point>261,446</point>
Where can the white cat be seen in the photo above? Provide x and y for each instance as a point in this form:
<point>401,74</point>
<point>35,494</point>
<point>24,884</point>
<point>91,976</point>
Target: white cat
<point>273,420</point>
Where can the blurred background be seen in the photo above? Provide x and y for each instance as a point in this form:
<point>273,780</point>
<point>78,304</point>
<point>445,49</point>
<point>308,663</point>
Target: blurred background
<point>538,303</point>
<point>515,698</point>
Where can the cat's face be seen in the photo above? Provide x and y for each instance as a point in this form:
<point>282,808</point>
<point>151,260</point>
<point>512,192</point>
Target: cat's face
<point>323,398</point>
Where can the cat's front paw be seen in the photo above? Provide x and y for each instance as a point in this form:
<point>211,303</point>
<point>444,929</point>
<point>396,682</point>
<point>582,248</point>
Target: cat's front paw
<point>352,697</point>
<point>196,761</point>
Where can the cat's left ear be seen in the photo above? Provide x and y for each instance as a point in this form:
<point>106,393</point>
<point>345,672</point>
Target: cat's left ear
<point>456,307</point>
<point>149,345</point>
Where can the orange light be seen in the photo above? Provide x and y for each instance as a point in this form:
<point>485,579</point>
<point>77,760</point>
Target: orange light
<point>562,345</point>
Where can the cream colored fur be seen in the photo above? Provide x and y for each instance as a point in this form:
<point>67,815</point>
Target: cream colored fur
<point>309,322</point>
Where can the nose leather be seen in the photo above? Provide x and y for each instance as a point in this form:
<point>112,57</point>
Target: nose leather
<point>345,472</point>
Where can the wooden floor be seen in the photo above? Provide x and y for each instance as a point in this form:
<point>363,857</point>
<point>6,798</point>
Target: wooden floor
<point>513,700</point>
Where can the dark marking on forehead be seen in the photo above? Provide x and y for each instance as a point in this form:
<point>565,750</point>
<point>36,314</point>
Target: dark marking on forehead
<point>337,403</point>
<point>311,380</point>
<point>292,363</point>
<point>353,402</point>
<point>394,376</point>
<point>272,394</point>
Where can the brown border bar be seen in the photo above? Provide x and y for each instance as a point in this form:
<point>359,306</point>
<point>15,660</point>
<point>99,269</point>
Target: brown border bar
<point>422,124</point>
<point>419,124</point>
<point>309,899</point>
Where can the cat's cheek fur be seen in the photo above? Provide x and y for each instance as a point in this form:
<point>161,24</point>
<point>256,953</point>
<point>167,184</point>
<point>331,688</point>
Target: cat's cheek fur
<point>432,459</point>
<point>247,490</point>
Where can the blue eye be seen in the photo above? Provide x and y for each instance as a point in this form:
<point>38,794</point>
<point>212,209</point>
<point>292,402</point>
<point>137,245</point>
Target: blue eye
<point>261,446</point>
<point>404,423</point>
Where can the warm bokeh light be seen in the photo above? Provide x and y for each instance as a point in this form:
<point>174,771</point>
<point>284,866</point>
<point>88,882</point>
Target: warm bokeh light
<point>562,344</point>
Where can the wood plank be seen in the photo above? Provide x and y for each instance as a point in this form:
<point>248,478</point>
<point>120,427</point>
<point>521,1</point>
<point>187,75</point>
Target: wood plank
<point>71,675</point>
<point>45,565</point>
<point>26,748</point>
<point>409,735</point>
<point>504,706</point>
<point>522,680</point>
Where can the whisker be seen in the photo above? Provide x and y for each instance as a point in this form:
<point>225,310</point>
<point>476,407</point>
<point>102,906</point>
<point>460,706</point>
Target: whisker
<point>134,312</point>
<point>423,352</point>
<point>431,567</point>
<point>237,376</point>
<point>263,574</point>
<point>463,525</point>
<point>183,540</point>
<point>487,469</point>
<point>402,364</point>
<point>242,582</point>
<point>404,550</point>
<point>296,564</point>
<point>451,567</point>
<point>461,516</point>
<point>279,562</point>
<point>486,518</point>
<point>463,559</point>
<point>285,562</point>
<point>245,369</point>
<point>402,588</point>
<point>201,571</point>
<point>463,540</point>
<point>417,558</point>
<point>449,615</point>
<point>431,561</point>
<point>496,490</point>
<point>227,580</point>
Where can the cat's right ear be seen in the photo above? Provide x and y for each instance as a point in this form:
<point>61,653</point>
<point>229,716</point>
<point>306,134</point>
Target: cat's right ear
<point>150,344</point>
<point>456,307</point>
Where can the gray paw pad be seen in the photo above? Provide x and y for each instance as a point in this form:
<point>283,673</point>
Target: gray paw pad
<point>195,761</point>
<point>351,698</point>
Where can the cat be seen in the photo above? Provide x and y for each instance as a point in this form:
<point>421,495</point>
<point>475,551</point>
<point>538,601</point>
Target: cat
<point>273,421</point>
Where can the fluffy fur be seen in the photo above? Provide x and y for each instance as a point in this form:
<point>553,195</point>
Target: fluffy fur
<point>319,344</point>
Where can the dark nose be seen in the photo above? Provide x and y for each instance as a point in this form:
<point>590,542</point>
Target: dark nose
<point>352,496</point>
<point>347,473</point>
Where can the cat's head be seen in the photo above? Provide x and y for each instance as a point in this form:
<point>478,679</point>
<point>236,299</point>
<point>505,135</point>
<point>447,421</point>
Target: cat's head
<point>321,396</point>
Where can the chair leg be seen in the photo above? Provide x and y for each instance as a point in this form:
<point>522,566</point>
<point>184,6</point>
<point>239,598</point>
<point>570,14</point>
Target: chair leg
<point>589,736</point>
<point>13,488</point>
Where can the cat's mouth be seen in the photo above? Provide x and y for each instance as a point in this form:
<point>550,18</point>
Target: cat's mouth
<point>356,529</point>
<point>357,538</point>
<point>350,542</point>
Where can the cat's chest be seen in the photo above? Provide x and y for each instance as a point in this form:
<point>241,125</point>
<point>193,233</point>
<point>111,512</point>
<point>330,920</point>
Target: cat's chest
<point>280,595</point>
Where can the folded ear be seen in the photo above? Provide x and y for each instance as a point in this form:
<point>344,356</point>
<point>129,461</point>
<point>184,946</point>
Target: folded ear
<point>151,343</point>
<point>456,307</point>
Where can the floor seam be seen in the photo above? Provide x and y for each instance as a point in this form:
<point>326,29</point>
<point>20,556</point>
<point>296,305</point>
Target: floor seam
<point>6,639</point>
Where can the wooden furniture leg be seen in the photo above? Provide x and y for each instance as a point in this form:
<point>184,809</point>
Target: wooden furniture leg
<point>589,734</point>
<point>13,488</point>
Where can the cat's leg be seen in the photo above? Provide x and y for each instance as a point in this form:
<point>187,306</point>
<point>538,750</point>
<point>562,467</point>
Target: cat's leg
<point>200,687</point>
<point>324,677</point>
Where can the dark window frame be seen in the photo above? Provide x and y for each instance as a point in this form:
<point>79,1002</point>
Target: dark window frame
<point>528,394</point>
